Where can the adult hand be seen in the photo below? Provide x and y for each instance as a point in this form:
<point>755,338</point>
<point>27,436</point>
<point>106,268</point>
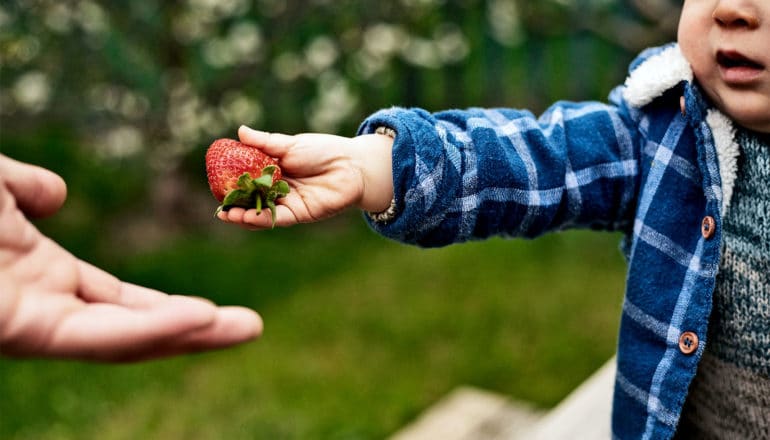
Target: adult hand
<point>326,174</point>
<point>55,305</point>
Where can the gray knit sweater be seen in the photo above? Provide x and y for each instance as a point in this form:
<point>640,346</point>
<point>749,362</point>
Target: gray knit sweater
<point>730,395</point>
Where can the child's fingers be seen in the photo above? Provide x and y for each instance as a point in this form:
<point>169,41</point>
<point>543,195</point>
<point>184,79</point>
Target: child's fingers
<point>254,220</point>
<point>246,218</point>
<point>264,220</point>
<point>222,215</point>
<point>273,144</point>
<point>257,218</point>
<point>232,215</point>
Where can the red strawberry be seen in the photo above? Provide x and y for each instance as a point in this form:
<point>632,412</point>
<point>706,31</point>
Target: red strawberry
<point>231,165</point>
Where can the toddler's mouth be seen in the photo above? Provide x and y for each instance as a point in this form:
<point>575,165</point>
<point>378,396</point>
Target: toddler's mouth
<point>731,59</point>
<point>737,70</point>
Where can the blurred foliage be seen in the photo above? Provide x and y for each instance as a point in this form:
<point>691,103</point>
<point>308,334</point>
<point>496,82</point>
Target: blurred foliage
<point>122,98</point>
<point>141,88</point>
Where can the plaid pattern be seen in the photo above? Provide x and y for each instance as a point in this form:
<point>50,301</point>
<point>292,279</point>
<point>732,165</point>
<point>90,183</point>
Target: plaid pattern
<point>650,172</point>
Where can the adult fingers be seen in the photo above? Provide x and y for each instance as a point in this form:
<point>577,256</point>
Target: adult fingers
<point>38,191</point>
<point>98,286</point>
<point>126,322</point>
<point>110,332</point>
<point>232,326</point>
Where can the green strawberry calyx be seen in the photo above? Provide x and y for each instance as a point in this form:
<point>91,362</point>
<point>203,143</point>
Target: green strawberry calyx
<point>256,193</point>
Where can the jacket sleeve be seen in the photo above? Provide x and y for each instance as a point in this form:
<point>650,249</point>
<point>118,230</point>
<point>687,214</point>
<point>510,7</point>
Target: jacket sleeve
<point>470,174</point>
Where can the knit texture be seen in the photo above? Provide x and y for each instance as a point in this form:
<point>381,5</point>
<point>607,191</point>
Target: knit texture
<point>725,403</point>
<point>730,395</point>
<point>740,323</point>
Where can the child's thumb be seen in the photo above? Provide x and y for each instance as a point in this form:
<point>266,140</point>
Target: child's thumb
<point>273,144</point>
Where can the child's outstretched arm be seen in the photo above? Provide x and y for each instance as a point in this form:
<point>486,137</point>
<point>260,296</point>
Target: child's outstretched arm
<point>326,174</point>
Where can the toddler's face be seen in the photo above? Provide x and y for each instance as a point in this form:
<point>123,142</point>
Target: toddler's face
<point>727,42</point>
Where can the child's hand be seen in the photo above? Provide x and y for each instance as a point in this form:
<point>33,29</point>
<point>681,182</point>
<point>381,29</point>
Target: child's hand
<point>326,173</point>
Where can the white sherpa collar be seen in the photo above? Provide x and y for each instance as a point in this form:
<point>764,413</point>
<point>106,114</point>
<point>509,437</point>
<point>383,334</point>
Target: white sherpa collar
<point>728,150</point>
<point>655,75</point>
<point>664,70</point>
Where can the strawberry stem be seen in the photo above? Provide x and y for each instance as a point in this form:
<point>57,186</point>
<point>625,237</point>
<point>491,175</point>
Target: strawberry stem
<point>256,193</point>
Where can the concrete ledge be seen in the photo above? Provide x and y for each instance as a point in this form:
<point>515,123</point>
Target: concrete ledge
<point>584,414</point>
<point>472,414</point>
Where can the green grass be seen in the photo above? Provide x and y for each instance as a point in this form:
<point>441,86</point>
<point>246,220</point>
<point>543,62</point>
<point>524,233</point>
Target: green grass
<point>361,335</point>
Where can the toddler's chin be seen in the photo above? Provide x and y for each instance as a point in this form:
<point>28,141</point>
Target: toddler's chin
<point>759,126</point>
<point>753,117</point>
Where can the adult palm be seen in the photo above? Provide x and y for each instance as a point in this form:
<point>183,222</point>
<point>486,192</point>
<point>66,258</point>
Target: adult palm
<point>54,305</point>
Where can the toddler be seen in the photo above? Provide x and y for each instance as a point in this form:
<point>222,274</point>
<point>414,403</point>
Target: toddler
<point>679,160</point>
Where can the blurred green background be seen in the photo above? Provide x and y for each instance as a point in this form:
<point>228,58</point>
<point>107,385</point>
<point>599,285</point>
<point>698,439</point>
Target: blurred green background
<point>362,334</point>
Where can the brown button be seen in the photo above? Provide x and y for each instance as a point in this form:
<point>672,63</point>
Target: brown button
<point>682,106</point>
<point>708,227</point>
<point>688,343</point>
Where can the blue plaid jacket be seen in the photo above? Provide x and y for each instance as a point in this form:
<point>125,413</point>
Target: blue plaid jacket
<point>654,163</point>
